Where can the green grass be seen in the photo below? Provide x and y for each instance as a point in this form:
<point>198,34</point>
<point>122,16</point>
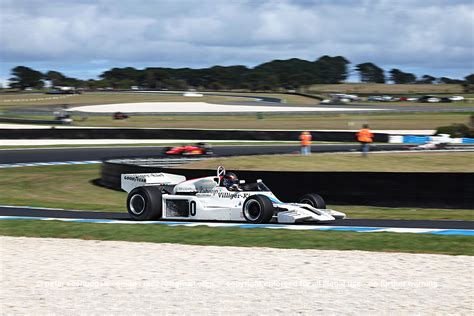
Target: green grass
<point>66,187</point>
<point>376,162</point>
<point>388,242</point>
<point>70,187</point>
<point>295,122</point>
<point>390,121</point>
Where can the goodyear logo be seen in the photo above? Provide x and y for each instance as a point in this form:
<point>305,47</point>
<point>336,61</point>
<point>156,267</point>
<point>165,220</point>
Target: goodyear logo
<point>134,178</point>
<point>141,178</point>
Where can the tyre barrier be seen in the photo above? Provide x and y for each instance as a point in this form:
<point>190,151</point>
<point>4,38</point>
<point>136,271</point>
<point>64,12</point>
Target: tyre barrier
<point>198,134</point>
<point>410,189</point>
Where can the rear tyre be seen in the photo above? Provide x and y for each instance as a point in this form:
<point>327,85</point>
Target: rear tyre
<point>145,203</point>
<point>313,200</point>
<point>258,209</point>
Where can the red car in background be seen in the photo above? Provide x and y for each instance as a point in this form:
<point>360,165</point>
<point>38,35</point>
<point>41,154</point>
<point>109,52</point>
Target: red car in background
<point>186,150</point>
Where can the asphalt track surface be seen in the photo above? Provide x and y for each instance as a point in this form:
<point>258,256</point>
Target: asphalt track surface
<point>53,213</point>
<point>104,153</point>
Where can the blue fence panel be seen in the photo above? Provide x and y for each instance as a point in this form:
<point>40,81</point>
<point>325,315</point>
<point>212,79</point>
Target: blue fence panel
<point>416,139</point>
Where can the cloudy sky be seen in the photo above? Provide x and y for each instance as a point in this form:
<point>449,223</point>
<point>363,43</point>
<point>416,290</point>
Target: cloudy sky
<point>82,38</point>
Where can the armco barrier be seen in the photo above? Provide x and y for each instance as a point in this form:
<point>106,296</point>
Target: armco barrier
<point>155,133</point>
<point>443,190</point>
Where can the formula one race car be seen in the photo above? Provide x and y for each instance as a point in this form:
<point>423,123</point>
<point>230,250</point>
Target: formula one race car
<point>441,141</point>
<point>198,149</point>
<point>223,197</point>
<point>427,146</point>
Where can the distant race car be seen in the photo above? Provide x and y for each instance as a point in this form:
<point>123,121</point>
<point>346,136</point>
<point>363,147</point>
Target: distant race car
<point>120,116</point>
<point>429,99</point>
<point>440,141</point>
<point>456,98</point>
<point>198,149</point>
<point>157,196</point>
<point>428,146</point>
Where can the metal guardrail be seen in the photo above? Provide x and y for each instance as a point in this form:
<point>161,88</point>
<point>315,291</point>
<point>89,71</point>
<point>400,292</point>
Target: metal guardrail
<point>155,162</point>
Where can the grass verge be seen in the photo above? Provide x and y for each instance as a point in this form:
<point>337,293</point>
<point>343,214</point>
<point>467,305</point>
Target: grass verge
<point>388,121</point>
<point>380,162</point>
<point>67,187</point>
<point>294,122</point>
<point>388,242</point>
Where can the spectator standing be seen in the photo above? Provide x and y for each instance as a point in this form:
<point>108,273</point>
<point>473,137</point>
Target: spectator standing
<point>305,139</point>
<point>365,137</point>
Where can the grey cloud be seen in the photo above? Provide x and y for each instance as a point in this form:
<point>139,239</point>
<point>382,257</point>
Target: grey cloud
<point>436,34</point>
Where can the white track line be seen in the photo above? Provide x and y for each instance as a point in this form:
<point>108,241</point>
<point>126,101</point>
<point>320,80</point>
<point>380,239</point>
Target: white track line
<point>461,232</point>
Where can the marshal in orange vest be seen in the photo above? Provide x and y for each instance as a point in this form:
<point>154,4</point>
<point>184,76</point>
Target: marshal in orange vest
<point>365,136</point>
<point>305,139</point>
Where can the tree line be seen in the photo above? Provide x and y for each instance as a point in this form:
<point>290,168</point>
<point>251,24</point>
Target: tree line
<point>274,75</point>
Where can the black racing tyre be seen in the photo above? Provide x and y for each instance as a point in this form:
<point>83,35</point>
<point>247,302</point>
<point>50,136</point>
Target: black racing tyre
<point>145,203</point>
<point>258,209</point>
<point>314,200</point>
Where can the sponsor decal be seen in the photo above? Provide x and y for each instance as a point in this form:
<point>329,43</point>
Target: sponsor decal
<point>232,195</point>
<point>186,189</point>
<point>141,178</point>
<point>135,178</point>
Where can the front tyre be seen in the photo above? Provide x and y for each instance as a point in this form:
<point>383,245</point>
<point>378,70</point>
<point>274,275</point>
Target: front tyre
<point>145,203</point>
<point>313,200</point>
<point>258,209</point>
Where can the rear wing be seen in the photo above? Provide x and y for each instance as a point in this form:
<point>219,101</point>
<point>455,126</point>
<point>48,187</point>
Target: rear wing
<point>132,180</point>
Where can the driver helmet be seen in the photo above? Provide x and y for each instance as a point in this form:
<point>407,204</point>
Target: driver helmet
<point>229,179</point>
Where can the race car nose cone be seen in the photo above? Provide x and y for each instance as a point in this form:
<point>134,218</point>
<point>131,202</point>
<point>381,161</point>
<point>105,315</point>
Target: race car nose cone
<point>337,215</point>
<point>325,218</point>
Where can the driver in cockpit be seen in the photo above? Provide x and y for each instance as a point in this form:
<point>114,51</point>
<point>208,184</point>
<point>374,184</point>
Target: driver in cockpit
<point>230,181</point>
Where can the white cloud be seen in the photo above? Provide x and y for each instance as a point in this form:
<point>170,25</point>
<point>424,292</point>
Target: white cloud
<point>436,35</point>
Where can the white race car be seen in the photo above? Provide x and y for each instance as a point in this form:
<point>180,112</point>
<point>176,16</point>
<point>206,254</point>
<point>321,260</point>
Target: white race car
<point>155,196</point>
